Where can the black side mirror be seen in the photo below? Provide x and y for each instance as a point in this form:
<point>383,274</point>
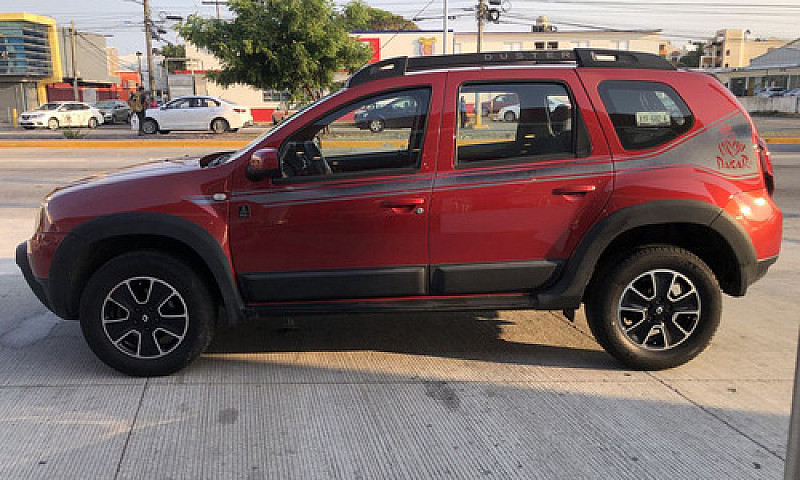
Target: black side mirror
<point>263,163</point>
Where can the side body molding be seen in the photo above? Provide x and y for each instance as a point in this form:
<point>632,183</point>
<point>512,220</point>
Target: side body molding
<point>567,292</point>
<point>76,257</point>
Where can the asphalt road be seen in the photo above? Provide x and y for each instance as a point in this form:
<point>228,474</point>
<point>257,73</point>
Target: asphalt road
<point>460,395</point>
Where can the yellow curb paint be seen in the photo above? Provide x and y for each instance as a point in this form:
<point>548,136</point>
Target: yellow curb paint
<point>120,143</point>
<point>783,141</point>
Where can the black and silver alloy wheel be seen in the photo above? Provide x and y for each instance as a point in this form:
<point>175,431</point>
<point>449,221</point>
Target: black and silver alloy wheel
<point>146,313</point>
<point>145,317</point>
<point>659,309</point>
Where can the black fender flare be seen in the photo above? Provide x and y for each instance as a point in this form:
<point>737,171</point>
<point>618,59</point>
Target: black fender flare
<point>72,261</point>
<point>567,292</point>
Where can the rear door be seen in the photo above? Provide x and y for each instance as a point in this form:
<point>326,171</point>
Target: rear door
<point>512,199</point>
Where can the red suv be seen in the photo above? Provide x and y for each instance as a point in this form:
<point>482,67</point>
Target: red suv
<point>625,185</point>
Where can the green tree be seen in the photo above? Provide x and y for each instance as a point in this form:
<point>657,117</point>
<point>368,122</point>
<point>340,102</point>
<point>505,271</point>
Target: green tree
<point>357,15</point>
<point>171,52</point>
<point>692,59</point>
<point>292,45</point>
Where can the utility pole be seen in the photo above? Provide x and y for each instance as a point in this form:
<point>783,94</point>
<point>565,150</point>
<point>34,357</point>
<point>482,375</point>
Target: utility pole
<point>151,81</point>
<point>481,18</point>
<point>74,62</point>
<point>217,3</point>
<point>444,28</point>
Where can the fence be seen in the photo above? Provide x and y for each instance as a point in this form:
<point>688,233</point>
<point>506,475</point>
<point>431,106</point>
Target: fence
<point>773,104</point>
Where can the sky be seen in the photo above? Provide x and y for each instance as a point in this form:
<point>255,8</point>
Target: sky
<point>680,20</point>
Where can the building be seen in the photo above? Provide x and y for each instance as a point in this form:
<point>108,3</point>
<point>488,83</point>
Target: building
<point>733,48</point>
<point>387,44</point>
<point>37,64</point>
<point>29,60</point>
<point>779,67</point>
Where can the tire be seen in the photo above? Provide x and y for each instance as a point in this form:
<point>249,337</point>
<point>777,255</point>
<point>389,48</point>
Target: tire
<point>93,123</point>
<point>136,333</point>
<point>26,127</point>
<point>219,125</point>
<point>658,308</point>
<point>149,126</point>
<point>52,124</point>
<point>509,116</point>
<point>376,125</point>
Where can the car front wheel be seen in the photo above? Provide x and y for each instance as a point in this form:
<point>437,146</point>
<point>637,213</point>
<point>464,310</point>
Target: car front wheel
<point>52,124</point>
<point>93,123</point>
<point>509,116</point>
<point>146,314</point>
<point>658,308</point>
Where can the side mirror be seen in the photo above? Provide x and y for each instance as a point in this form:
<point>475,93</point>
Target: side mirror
<point>263,163</point>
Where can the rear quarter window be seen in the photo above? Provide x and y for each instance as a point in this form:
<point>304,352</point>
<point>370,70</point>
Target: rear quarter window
<point>645,114</point>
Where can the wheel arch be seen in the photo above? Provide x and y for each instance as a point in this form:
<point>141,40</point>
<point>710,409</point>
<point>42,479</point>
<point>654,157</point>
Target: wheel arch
<point>699,227</point>
<point>93,243</point>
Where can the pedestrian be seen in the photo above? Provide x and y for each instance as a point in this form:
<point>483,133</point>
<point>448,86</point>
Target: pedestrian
<point>137,102</point>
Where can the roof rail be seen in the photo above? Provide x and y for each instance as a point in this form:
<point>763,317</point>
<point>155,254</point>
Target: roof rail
<point>583,57</point>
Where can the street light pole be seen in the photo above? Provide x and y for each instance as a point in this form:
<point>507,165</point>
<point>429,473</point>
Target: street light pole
<point>74,62</point>
<point>139,57</point>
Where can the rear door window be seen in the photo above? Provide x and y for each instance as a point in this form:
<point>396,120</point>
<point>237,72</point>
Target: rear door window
<point>645,114</point>
<point>537,123</point>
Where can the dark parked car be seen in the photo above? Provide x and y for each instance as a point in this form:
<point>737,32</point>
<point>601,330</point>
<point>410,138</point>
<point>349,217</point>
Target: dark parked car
<point>397,113</point>
<point>114,111</point>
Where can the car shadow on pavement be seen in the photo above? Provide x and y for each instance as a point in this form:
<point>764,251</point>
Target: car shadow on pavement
<point>524,338</point>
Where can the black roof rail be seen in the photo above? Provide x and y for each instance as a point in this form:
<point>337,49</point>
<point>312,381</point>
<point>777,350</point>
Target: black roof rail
<point>583,57</point>
<point>593,57</point>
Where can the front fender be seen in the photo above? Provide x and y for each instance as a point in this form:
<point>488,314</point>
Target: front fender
<point>86,246</point>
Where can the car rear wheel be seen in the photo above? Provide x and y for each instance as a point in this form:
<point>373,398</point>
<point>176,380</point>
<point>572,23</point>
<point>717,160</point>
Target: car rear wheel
<point>219,125</point>
<point>93,123</point>
<point>52,124</point>
<point>376,125</point>
<point>147,314</point>
<point>509,116</point>
<point>658,308</point>
<point>149,126</point>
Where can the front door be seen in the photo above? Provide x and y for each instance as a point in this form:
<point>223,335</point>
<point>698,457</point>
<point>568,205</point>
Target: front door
<point>512,198</point>
<point>347,219</point>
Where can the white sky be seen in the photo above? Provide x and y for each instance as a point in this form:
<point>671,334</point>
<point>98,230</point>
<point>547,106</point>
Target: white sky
<point>680,20</point>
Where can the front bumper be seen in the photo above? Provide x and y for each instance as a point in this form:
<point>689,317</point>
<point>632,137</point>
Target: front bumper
<point>38,286</point>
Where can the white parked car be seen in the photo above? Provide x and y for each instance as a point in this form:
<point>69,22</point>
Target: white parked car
<point>62,114</point>
<point>509,113</point>
<point>196,113</point>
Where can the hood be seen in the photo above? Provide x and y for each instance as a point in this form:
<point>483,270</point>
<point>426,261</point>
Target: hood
<point>152,170</point>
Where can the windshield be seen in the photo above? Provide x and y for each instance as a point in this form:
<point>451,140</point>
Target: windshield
<point>264,135</point>
<point>49,106</point>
